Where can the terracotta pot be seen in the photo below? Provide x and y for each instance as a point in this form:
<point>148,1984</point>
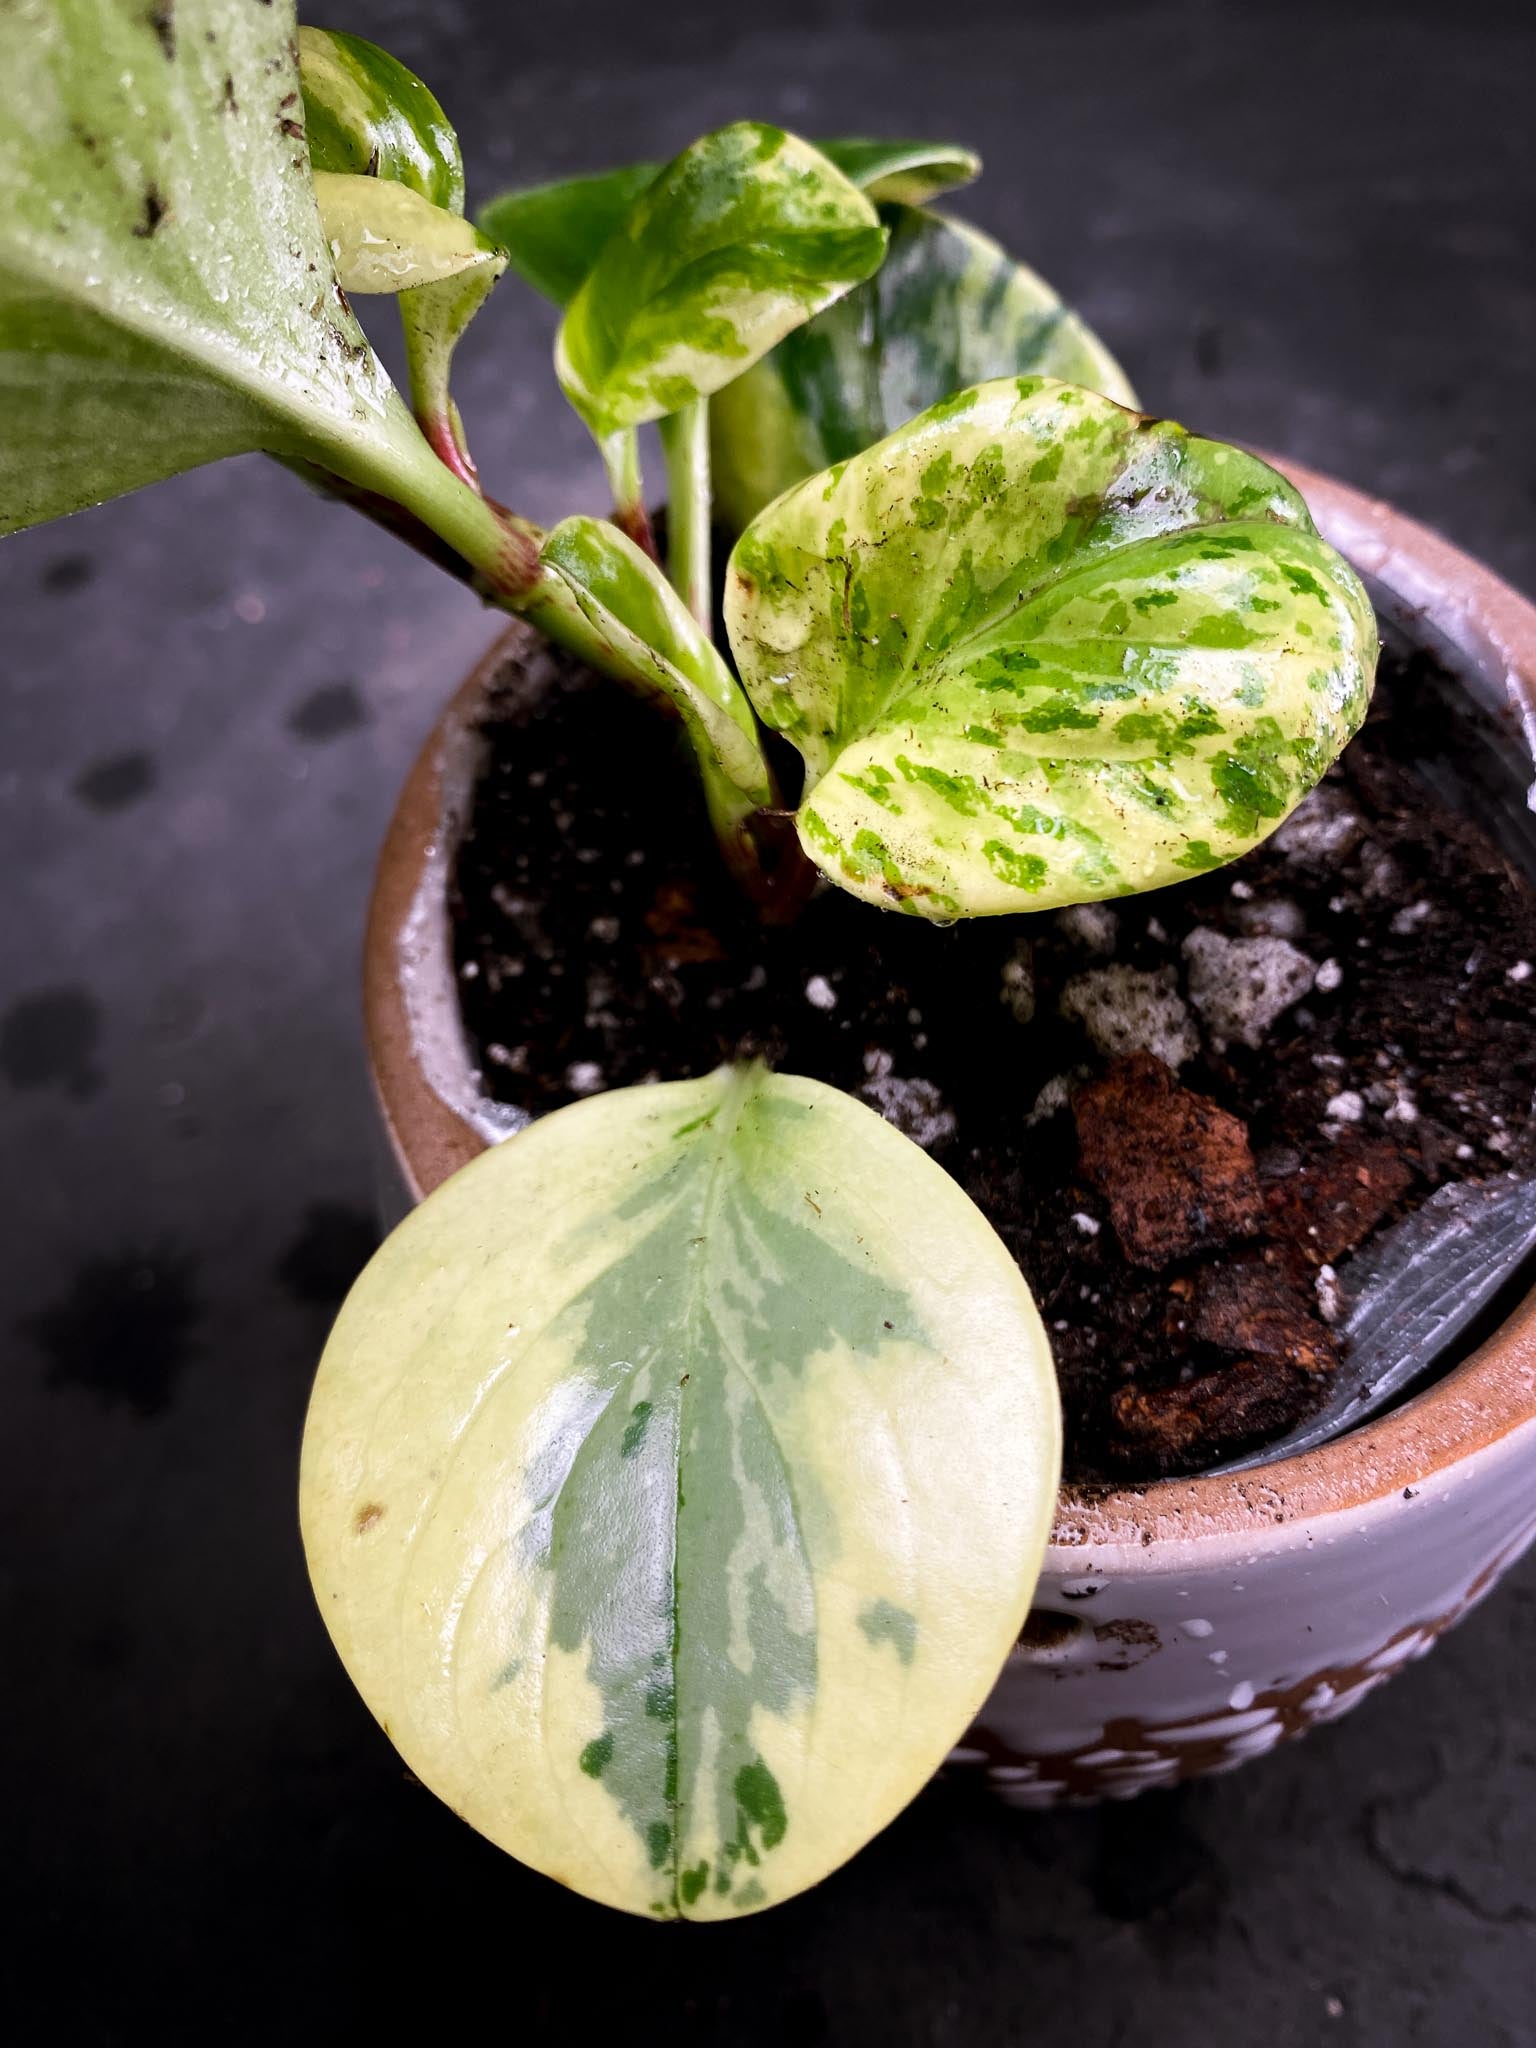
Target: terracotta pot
<point>1187,1625</point>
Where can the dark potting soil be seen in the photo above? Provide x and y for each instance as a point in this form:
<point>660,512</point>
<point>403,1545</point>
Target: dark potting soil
<point>1183,1111</point>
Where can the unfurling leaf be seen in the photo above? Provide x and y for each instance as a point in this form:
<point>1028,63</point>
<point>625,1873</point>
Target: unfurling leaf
<point>616,608</point>
<point>166,294</point>
<point>674,1503</point>
<point>739,239</point>
<point>913,172</point>
<point>555,233</point>
<point>1036,649</point>
<point>387,238</point>
<point>947,309</point>
<point>389,177</point>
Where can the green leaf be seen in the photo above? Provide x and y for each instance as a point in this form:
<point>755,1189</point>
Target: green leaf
<point>617,609</point>
<point>913,172</point>
<point>166,294</point>
<point>947,309</point>
<point>364,112</point>
<point>675,1484</point>
<point>740,238</point>
<point>555,233</point>
<point>1037,649</point>
<point>387,238</point>
<point>389,177</point>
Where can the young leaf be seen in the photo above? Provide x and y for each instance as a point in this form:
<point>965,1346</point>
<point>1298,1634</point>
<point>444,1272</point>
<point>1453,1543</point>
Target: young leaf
<point>739,239</point>
<point>674,1503</point>
<point>1037,649</point>
<point>947,309</point>
<point>389,176</point>
<point>912,172</point>
<point>605,599</point>
<point>387,238</point>
<point>166,294</point>
<point>555,233</point>
<point>364,112</point>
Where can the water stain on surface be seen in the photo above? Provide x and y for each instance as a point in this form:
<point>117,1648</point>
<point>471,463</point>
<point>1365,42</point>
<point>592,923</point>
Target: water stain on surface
<point>331,1249</point>
<point>328,712</point>
<point>124,1330</point>
<point>116,781</point>
<point>66,573</point>
<point>49,1039</point>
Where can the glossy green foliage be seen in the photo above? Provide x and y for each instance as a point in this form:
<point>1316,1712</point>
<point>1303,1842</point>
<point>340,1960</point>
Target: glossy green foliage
<point>743,236</point>
<point>675,1484</point>
<point>1036,649</point>
<point>555,233</point>
<point>947,309</point>
<point>366,113</point>
<point>389,177</point>
<point>166,294</point>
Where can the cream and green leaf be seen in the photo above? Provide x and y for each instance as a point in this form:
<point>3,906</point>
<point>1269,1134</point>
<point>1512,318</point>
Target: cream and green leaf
<point>554,233</point>
<point>743,236</point>
<point>389,178</point>
<point>166,293</point>
<point>675,1483</point>
<point>1036,649</point>
<point>947,309</point>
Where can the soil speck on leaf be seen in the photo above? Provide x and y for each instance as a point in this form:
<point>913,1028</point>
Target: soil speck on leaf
<point>49,1039</point>
<point>123,1331</point>
<point>116,781</point>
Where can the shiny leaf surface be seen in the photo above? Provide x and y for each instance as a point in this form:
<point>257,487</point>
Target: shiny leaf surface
<point>554,233</point>
<point>387,238</point>
<point>947,309</point>
<point>738,240</point>
<point>166,294</point>
<point>1037,649</point>
<point>366,113</point>
<point>675,1483</point>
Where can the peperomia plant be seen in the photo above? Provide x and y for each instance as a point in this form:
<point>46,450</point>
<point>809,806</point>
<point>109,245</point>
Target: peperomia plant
<point>678,1475</point>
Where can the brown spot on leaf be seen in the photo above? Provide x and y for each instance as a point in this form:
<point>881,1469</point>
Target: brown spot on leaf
<point>367,1517</point>
<point>162,19</point>
<point>154,212</point>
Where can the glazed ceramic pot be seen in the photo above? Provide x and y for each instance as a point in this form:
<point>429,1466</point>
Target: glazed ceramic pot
<point>1187,1625</point>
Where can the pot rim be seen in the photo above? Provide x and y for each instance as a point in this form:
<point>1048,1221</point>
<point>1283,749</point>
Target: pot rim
<point>408,987</point>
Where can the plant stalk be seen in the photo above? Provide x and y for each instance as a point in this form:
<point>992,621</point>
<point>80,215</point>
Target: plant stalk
<point>685,443</point>
<point>621,459</point>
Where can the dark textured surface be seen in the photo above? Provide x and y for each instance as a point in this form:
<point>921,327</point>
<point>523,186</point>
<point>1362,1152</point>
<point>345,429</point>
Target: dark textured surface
<point>1307,226</point>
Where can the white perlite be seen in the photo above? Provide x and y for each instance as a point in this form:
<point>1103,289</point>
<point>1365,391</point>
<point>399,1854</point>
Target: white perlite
<point>1322,828</point>
<point>915,1107</point>
<point>1329,976</point>
<point>584,1077</point>
<point>1088,1225</point>
<point>820,993</point>
<point>1094,926</point>
<point>1018,990</point>
<point>1240,986</point>
<point>1347,1107</point>
<point>1128,1009</point>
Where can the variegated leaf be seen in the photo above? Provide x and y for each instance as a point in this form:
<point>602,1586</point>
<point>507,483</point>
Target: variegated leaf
<point>947,309</point>
<point>743,236</point>
<point>166,294</point>
<point>387,238</point>
<point>1036,649</point>
<point>675,1483</point>
<point>555,233</point>
<point>365,112</point>
<point>614,603</point>
<point>389,177</point>
<point>913,172</point>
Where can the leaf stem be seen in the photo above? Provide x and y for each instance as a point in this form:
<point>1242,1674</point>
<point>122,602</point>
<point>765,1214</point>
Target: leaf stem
<point>685,444</point>
<point>621,459</point>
